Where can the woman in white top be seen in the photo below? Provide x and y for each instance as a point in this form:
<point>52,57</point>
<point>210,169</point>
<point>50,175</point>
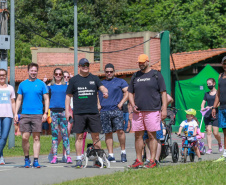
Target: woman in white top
<point>7,107</point>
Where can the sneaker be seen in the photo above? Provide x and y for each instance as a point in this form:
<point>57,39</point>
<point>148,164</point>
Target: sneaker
<point>69,161</point>
<point>111,159</point>
<point>199,159</point>
<point>221,159</point>
<point>78,164</point>
<point>209,151</point>
<point>136,164</point>
<point>182,159</point>
<point>151,164</point>
<point>98,164</point>
<point>220,147</point>
<point>36,164</point>
<point>50,157</point>
<point>2,161</point>
<point>27,163</point>
<point>54,161</point>
<point>64,159</point>
<point>146,162</point>
<point>123,158</point>
<point>157,163</point>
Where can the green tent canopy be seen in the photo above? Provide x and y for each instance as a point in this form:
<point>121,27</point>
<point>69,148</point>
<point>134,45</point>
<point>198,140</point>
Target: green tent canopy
<point>193,91</point>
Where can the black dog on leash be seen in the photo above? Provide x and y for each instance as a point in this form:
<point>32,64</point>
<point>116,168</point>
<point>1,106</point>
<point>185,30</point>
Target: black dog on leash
<point>96,154</point>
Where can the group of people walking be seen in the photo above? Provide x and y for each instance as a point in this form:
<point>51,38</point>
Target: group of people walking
<point>93,106</point>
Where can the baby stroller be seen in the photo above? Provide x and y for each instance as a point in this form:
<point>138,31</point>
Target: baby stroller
<point>166,141</point>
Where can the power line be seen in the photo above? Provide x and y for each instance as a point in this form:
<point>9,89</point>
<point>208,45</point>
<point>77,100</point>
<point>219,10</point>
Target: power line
<point>62,45</point>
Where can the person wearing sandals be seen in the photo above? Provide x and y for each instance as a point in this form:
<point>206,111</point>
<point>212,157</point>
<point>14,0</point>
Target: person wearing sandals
<point>211,122</point>
<point>7,107</point>
<point>57,90</point>
<point>221,97</point>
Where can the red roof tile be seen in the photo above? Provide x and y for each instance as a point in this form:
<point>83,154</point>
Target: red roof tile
<point>181,60</point>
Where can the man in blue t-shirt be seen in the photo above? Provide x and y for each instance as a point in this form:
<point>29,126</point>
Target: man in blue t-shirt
<point>31,92</point>
<point>111,113</point>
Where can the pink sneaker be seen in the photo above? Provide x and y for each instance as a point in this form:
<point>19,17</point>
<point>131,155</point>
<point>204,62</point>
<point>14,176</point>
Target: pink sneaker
<point>69,161</point>
<point>220,147</point>
<point>54,161</point>
<point>209,151</point>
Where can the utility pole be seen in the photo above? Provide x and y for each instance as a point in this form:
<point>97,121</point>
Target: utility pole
<point>3,31</point>
<point>11,142</point>
<point>4,46</point>
<point>75,39</point>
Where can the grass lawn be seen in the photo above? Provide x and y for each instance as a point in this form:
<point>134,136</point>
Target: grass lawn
<point>205,172</point>
<point>46,143</point>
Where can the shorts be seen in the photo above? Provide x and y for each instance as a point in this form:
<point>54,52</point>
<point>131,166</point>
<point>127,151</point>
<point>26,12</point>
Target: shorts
<point>112,121</point>
<point>222,118</point>
<point>31,123</point>
<point>159,134</point>
<point>45,126</point>
<point>146,120</point>
<point>86,123</point>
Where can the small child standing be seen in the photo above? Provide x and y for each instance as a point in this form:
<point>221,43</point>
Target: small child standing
<point>190,129</point>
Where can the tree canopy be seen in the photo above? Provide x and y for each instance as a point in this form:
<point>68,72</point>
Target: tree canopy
<point>193,24</point>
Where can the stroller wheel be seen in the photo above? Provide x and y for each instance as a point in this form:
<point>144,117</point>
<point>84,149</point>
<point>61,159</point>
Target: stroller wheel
<point>203,152</point>
<point>175,152</point>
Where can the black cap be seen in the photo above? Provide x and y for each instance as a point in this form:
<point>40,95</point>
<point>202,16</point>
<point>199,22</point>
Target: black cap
<point>109,65</point>
<point>83,61</point>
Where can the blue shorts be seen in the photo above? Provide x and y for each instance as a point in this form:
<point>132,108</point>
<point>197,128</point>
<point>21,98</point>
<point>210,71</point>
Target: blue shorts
<point>159,134</point>
<point>222,118</point>
<point>112,121</point>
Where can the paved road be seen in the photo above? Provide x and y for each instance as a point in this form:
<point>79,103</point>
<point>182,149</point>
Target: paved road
<point>14,173</point>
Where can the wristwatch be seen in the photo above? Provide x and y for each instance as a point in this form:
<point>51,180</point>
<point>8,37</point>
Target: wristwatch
<point>46,113</point>
<point>214,107</point>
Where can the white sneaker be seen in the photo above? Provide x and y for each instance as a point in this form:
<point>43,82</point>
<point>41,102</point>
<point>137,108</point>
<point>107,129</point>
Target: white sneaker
<point>2,161</point>
<point>64,159</point>
<point>50,157</point>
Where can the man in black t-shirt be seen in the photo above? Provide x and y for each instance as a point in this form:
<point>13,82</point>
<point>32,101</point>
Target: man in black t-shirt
<point>84,87</point>
<point>147,96</point>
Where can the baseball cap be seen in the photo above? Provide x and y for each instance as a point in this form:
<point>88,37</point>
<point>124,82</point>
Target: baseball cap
<point>191,111</point>
<point>223,60</point>
<point>83,61</point>
<point>143,58</point>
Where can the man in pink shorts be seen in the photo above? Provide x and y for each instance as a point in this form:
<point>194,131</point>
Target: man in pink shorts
<point>147,95</point>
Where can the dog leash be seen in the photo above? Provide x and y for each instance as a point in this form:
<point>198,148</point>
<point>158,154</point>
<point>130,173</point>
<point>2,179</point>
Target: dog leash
<point>98,140</point>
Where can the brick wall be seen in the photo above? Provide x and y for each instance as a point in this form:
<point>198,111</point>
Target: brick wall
<point>126,60</point>
<point>155,50</point>
<point>57,58</point>
<point>60,56</point>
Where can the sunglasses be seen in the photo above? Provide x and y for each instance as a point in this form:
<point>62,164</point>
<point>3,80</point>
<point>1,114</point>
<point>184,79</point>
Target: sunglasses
<point>84,65</point>
<point>109,71</point>
<point>66,76</point>
<point>58,74</point>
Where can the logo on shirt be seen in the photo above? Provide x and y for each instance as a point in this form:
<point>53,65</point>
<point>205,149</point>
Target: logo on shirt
<point>92,82</point>
<point>143,79</point>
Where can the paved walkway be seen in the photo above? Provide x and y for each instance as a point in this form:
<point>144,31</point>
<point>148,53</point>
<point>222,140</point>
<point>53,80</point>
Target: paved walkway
<point>14,173</point>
